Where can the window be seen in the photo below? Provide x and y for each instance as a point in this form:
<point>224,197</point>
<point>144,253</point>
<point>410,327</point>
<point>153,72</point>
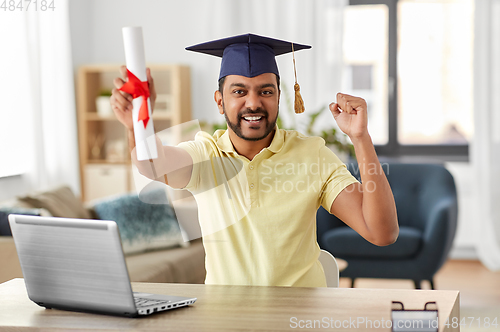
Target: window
<point>412,62</point>
<point>366,63</point>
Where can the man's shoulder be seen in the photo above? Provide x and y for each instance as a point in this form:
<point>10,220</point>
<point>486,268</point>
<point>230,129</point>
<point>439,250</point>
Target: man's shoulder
<point>202,144</point>
<point>217,143</point>
<point>294,138</point>
<point>205,137</point>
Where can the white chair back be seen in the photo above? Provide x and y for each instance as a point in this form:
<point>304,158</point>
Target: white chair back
<point>330,267</point>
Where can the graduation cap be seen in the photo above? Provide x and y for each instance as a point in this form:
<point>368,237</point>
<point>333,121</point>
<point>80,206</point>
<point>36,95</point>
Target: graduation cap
<point>251,55</point>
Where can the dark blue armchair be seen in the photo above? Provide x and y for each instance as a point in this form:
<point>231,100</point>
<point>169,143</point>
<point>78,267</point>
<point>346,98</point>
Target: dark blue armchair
<point>426,202</point>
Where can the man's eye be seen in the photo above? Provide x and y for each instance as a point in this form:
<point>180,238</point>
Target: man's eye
<point>267,92</point>
<point>238,92</point>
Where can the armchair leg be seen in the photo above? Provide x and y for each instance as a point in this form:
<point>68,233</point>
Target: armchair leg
<point>417,284</point>
<point>432,284</point>
<point>352,282</point>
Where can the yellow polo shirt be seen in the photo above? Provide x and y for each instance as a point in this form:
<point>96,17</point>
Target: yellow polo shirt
<point>258,217</point>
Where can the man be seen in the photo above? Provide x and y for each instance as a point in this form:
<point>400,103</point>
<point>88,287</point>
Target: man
<point>269,237</point>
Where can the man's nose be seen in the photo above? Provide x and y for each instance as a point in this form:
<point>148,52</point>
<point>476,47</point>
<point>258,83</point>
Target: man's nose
<point>253,101</point>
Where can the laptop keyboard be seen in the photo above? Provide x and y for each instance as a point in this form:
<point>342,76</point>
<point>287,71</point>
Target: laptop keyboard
<point>141,302</point>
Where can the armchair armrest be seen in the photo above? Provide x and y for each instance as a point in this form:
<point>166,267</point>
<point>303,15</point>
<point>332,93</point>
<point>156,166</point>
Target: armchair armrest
<point>443,213</point>
<point>439,233</point>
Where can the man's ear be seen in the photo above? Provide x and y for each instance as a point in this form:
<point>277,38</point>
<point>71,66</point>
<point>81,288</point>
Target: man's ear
<point>218,101</point>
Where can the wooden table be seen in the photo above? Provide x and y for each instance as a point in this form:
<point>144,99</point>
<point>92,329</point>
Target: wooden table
<point>232,308</point>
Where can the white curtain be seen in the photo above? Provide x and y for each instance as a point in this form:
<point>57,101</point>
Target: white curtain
<point>485,149</point>
<point>47,103</point>
<point>13,104</point>
<point>317,23</point>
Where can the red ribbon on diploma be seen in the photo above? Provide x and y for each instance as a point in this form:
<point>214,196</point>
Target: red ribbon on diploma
<point>137,89</point>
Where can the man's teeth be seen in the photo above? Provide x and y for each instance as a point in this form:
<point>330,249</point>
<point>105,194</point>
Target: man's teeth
<point>252,118</point>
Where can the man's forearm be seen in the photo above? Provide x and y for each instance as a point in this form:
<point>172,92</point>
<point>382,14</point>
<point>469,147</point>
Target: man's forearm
<point>378,206</point>
<point>145,167</point>
<point>131,140</point>
<point>177,166</point>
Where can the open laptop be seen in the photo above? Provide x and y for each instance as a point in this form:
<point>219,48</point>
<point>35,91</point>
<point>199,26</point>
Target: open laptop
<point>78,265</point>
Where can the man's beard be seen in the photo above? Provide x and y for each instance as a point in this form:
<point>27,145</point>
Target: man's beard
<point>236,127</point>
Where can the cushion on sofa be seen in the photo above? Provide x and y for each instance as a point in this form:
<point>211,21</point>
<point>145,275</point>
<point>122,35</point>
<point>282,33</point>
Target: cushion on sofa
<point>142,226</point>
<point>60,202</point>
<point>344,242</point>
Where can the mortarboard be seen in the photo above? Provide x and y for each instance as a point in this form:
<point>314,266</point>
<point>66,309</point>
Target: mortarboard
<point>251,55</point>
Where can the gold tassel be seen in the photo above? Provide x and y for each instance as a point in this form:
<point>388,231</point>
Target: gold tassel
<point>299,102</point>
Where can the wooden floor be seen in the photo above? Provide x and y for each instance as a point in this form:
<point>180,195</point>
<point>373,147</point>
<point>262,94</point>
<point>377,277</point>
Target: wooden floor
<point>479,290</point>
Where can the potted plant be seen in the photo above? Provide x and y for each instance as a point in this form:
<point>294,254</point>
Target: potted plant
<point>102,103</point>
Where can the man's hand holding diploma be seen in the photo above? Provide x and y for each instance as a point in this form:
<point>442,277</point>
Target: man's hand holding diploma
<point>121,102</point>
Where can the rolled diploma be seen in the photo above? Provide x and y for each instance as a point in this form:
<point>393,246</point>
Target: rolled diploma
<point>145,142</point>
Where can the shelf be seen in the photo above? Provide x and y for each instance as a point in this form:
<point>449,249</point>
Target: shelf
<point>96,117</point>
<point>107,162</point>
<point>166,116</point>
<point>103,136</point>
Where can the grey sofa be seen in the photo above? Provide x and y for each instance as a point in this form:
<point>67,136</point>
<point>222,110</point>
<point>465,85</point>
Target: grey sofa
<point>179,264</point>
